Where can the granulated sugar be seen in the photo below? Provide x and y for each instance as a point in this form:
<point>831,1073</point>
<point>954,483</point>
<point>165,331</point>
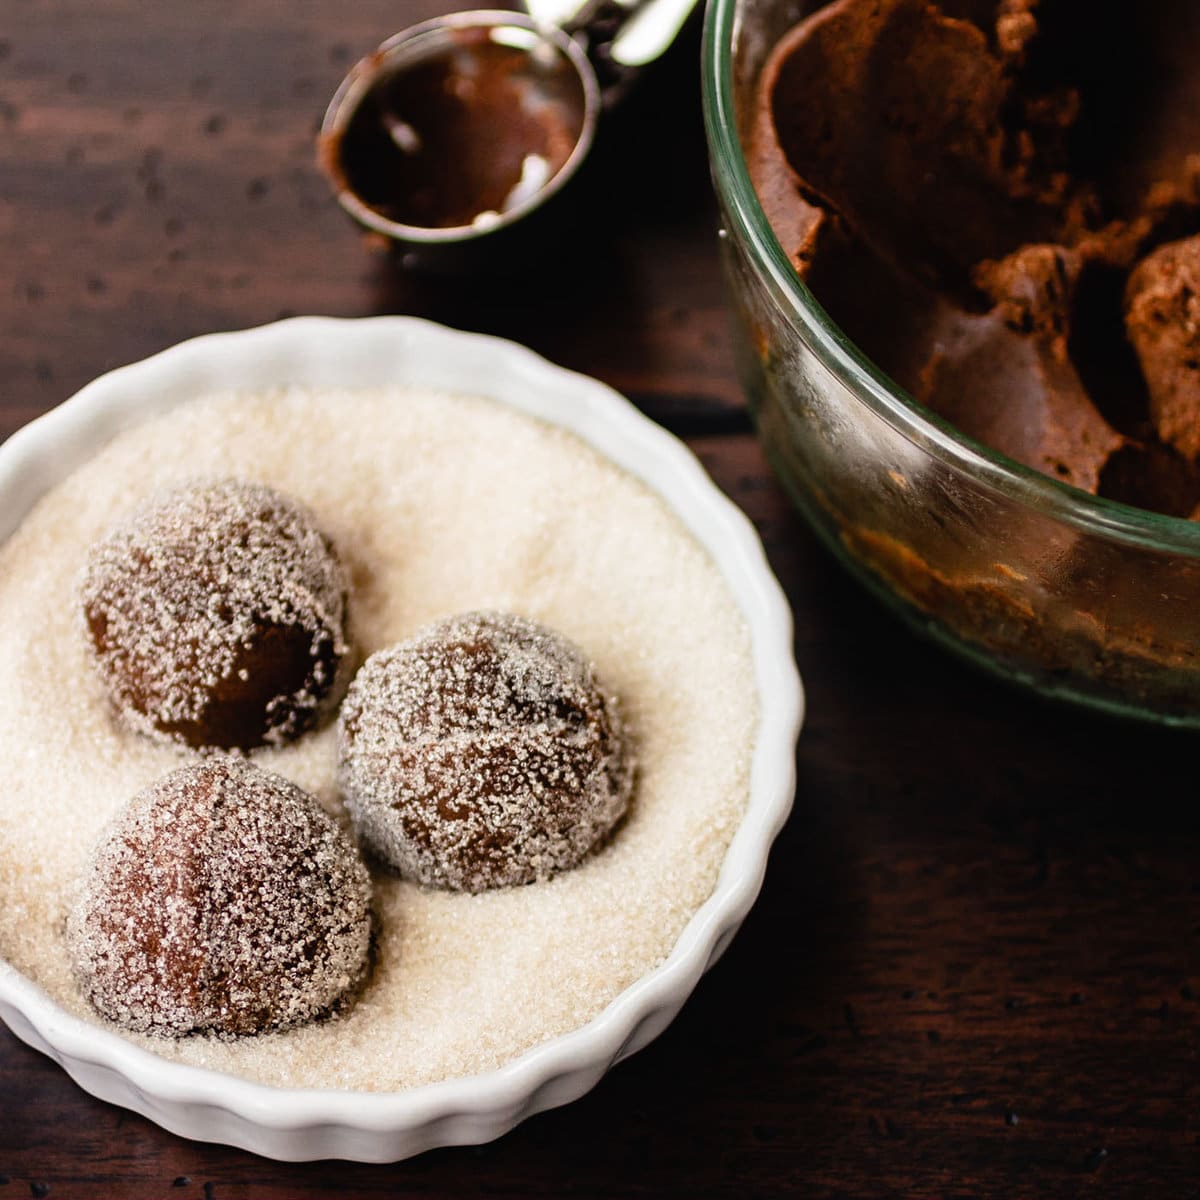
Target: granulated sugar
<point>437,505</point>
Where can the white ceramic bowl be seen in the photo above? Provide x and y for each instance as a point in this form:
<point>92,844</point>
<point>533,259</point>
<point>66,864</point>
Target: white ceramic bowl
<point>299,1124</point>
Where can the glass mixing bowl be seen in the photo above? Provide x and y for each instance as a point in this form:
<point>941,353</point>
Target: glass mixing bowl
<point>1080,598</point>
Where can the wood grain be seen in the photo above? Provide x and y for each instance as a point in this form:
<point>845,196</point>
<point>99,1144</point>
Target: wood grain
<point>972,969</point>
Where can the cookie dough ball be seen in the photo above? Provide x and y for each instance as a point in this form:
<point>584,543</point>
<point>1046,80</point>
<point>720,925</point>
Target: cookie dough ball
<point>482,753</point>
<point>217,616</point>
<point>222,899</point>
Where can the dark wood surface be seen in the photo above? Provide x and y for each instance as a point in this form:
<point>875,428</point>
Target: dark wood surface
<point>971,970</point>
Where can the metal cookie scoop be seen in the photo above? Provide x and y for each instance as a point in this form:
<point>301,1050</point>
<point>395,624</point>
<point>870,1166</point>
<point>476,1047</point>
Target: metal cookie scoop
<point>459,127</point>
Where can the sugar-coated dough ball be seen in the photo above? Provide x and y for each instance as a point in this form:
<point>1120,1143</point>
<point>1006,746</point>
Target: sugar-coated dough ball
<point>217,616</point>
<point>222,899</point>
<point>481,753</point>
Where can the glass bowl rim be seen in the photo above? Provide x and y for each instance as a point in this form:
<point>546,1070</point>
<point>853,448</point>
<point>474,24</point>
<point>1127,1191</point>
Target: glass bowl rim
<point>1109,519</point>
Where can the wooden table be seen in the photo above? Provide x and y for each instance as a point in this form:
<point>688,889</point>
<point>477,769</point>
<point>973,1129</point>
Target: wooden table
<point>971,970</point>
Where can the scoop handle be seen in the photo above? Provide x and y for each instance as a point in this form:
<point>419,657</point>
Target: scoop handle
<point>620,36</point>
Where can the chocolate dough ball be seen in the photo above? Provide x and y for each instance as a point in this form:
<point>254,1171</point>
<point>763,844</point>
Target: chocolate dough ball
<point>482,753</point>
<point>217,616</point>
<point>222,899</point>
